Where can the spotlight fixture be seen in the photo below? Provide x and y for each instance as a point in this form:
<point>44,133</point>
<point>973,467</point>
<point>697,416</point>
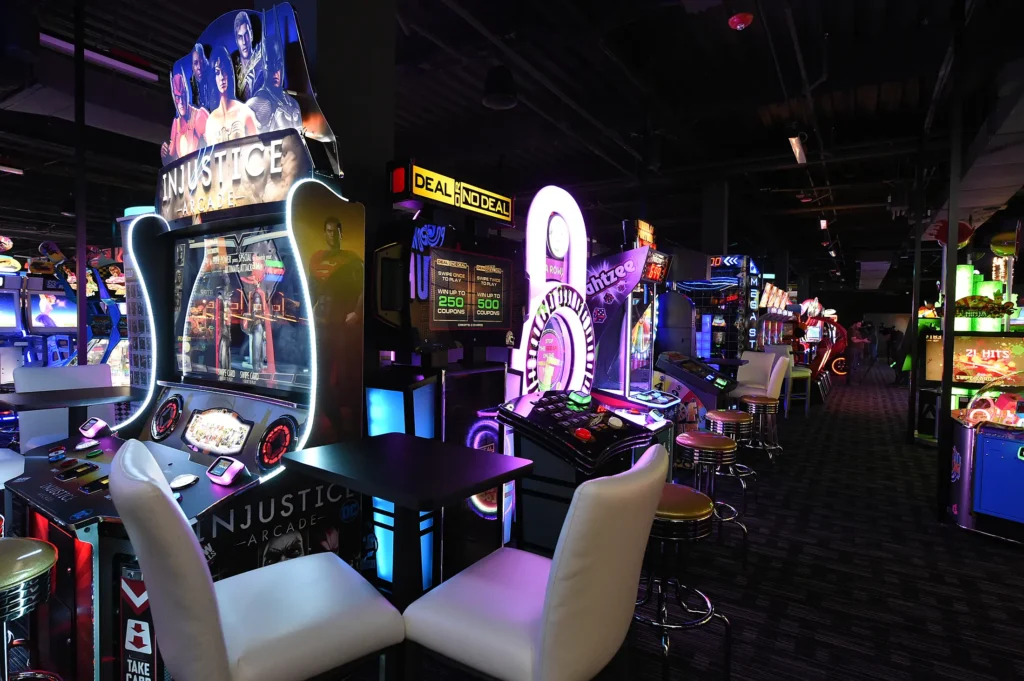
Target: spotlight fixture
<point>12,171</point>
<point>738,22</point>
<point>500,89</point>
<point>67,208</point>
<point>832,252</point>
<point>797,145</point>
<point>824,223</point>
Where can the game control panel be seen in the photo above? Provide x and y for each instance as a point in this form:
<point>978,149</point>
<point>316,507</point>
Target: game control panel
<point>576,426</point>
<point>70,479</point>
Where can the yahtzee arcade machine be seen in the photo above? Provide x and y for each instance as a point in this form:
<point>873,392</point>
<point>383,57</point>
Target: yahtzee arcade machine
<point>447,290</point>
<point>551,417</point>
<point>622,297</point>
<point>249,284</point>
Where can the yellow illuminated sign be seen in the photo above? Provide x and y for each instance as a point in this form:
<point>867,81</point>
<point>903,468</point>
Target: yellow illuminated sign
<point>645,234</point>
<point>447,190</point>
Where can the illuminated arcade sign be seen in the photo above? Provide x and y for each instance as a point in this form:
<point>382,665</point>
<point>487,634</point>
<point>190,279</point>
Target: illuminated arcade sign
<point>411,181</point>
<point>241,172</point>
<point>564,303</point>
<point>644,234</point>
<point>9,265</point>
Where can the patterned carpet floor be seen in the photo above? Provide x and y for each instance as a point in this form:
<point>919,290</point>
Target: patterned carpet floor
<point>849,575</point>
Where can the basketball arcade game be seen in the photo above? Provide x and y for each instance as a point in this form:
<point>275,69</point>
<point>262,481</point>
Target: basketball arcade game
<point>447,299</point>
<point>52,318</point>
<point>108,324</point>
<point>550,415</point>
<point>251,296</point>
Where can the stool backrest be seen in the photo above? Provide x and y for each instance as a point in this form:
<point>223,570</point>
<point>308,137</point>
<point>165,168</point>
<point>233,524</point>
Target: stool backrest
<point>757,369</point>
<point>38,428</point>
<point>184,606</point>
<point>778,377</point>
<point>591,591</point>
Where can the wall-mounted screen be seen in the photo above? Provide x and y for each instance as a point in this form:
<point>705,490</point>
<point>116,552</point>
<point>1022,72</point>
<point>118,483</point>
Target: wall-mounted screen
<point>9,311</point>
<point>240,311</point>
<point>656,267</point>
<point>52,313</point>
<point>469,291</point>
<point>976,359</point>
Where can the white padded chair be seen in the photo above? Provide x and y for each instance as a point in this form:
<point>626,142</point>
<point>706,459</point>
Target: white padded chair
<point>516,616</point>
<point>38,428</point>
<point>775,380</point>
<point>286,622</point>
<point>784,350</point>
<point>754,374</point>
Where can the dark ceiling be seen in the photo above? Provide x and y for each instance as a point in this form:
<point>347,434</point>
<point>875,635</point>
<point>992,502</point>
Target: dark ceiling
<point>633,105</point>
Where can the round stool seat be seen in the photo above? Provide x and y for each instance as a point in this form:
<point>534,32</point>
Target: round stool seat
<point>731,416</point>
<point>679,502</point>
<point>711,442</point>
<point>25,566</point>
<point>761,400</point>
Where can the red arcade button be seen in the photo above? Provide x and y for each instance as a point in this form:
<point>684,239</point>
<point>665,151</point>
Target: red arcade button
<point>583,434</point>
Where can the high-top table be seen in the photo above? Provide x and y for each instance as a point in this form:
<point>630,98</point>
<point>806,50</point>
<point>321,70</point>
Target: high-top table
<point>76,400</point>
<point>418,476</point>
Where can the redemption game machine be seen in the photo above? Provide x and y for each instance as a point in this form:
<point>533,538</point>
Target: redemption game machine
<point>550,414</point>
<point>622,292</point>
<point>245,294</point>
<point>447,295</point>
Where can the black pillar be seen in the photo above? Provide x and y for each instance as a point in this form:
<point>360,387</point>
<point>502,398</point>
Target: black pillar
<point>911,340</point>
<point>80,184</point>
<point>714,235</point>
<point>781,265</point>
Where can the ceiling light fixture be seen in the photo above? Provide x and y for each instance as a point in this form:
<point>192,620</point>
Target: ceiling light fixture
<point>12,171</point>
<point>797,146</point>
<point>824,223</point>
<point>832,252</point>
<point>500,89</point>
<point>738,22</point>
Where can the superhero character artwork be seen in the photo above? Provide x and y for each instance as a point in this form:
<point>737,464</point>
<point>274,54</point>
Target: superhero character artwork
<point>274,108</point>
<point>231,119</point>
<point>189,127</point>
<point>247,58</point>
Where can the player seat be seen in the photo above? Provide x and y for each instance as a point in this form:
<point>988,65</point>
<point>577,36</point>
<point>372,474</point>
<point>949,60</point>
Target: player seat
<point>38,428</point>
<point>753,375</point>
<point>290,621</point>
<point>520,617</point>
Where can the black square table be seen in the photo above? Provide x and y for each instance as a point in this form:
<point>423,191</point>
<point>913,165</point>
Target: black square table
<point>416,474</point>
<point>76,400</point>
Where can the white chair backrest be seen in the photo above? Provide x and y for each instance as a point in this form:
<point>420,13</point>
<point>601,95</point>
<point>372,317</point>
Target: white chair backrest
<point>10,359</point>
<point>591,591</point>
<point>783,350</point>
<point>38,428</point>
<point>757,369</point>
<point>778,377</point>
<point>184,606</point>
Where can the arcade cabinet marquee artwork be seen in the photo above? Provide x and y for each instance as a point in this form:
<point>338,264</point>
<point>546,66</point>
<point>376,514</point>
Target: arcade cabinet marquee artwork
<point>244,294</point>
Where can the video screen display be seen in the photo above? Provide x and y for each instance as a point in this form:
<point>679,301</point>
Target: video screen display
<point>469,291</point>
<point>656,267</point>
<point>976,359</point>
<point>8,310</point>
<point>813,334</point>
<point>239,310</point>
<point>52,311</point>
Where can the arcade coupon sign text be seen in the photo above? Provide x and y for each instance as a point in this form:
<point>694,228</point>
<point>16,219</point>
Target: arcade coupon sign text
<point>251,170</point>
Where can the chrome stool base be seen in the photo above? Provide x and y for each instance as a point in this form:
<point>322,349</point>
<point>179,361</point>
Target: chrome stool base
<point>696,609</point>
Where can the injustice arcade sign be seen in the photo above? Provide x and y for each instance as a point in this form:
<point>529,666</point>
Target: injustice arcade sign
<point>252,170</point>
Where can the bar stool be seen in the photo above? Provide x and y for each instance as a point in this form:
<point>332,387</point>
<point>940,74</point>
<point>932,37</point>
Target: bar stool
<point>25,567</point>
<point>706,453</point>
<point>683,515</point>
<point>764,410</point>
<point>800,373</point>
<point>737,426</point>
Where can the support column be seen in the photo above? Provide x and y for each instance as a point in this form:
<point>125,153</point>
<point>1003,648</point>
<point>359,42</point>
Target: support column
<point>781,265</point>
<point>81,183</point>
<point>714,235</point>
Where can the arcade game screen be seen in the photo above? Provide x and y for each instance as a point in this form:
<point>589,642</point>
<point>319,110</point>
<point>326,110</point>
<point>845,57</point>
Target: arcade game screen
<point>552,362</point>
<point>641,345</point>
<point>9,310</point>
<point>239,310</point>
<point>52,311</point>
<point>976,359</point>
<point>469,291</point>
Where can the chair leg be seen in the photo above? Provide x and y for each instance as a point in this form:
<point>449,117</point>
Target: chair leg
<point>726,646</point>
<point>403,663</point>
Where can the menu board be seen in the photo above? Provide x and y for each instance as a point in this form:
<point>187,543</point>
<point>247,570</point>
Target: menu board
<point>976,359</point>
<point>469,291</point>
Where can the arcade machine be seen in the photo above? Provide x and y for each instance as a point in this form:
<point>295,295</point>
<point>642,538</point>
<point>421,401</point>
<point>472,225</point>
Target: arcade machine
<point>446,288</point>
<point>622,295</point>
<point>733,325</point>
<point>109,341</point>
<point>986,468</point>
<point>247,290</point>
<point>700,386</point>
<point>772,322</point>
<point>551,416</point>
<point>51,318</point>
<point>14,347</point>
